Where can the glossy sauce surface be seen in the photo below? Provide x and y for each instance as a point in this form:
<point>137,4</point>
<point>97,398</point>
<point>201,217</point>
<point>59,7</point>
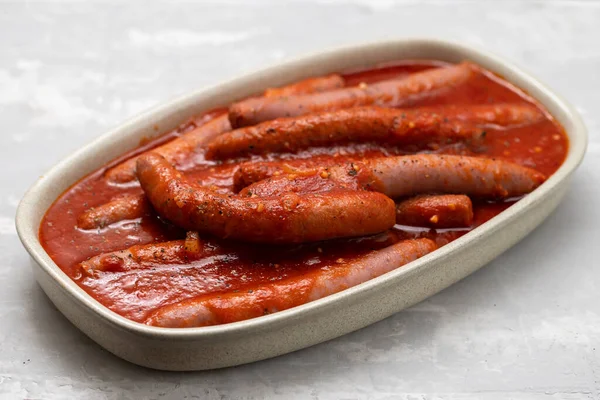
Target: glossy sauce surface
<point>230,266</point>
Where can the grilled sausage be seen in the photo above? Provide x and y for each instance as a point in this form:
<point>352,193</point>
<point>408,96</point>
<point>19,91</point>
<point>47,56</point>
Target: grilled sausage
<point>390,93</point>
<point>430,173</point>
<point>436,211</point>
<point>401,176</point>
<point>309,85</point>
<point>362,124</point>
<point>409,175</point>
<point>175,151</point>
<point>251,172</point>
<point>128,206</point>
<point>147,256</point>
<point>178,150</point>
<point>292,292</point>
<point>288,218</point>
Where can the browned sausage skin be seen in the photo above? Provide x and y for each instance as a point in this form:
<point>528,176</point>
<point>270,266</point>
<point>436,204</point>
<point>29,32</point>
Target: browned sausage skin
<point>432,173</point>
<point>291,134</point>
<point>287,218</point>
<point>401,176</point>
<point>175,151</point>
<point>394,176</point>
<point>391,93</point>
<point>128,206</point>
<point>178,150</point>
<point>251,172</point>
<point>435,211</point>
<point>274,297</point>
<point>147,256</point>
<point>382,125</point>
<point>309,85</point>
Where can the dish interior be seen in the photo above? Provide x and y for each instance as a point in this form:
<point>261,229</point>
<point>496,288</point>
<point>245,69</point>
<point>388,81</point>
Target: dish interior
<point>232,266</point>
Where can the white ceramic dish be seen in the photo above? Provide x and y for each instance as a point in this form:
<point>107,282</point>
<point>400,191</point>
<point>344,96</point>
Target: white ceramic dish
<point>286,331</point>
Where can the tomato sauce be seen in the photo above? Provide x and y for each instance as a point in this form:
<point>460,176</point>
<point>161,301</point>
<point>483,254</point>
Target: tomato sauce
<point>237,266</point>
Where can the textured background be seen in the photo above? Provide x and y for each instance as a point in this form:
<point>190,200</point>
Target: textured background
<point>527,326</point>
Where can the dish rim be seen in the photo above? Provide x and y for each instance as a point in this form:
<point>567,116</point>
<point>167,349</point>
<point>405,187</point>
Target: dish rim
<point>27,227</point>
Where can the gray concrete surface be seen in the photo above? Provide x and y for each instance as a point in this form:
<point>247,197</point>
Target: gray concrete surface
<point>527,326</point>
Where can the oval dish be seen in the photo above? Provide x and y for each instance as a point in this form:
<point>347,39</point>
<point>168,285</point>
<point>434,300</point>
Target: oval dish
<point>321,320</point>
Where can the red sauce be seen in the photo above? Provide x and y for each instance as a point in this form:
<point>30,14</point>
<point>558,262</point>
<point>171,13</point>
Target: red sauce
<point>235,266</point>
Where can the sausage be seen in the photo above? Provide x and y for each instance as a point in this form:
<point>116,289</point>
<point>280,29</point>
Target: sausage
<point>287,218</point>
<point>436,211</point>
<point>309,85</point>
<point>147,256</point>
<point>309,181</point>
<point>178,150</point>
<point>362,124</point>
<point>496,115</point>
<point>318,179</point>
<point>270,298</point>
<point>389,93</point>
<point>128,206</point>
<point>431,173</point>
<point>175,151</point>
<point>410,175</point>
<point>254,171</point>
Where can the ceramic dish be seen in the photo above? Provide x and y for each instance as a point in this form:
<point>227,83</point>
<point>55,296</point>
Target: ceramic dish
<point>312,323</point>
